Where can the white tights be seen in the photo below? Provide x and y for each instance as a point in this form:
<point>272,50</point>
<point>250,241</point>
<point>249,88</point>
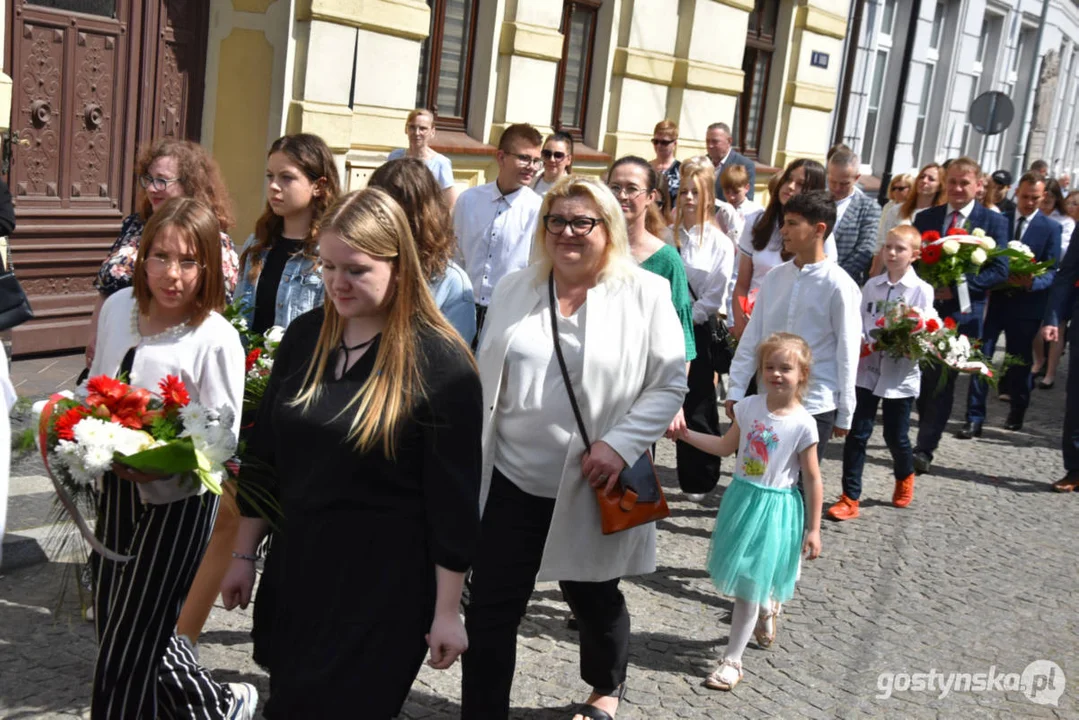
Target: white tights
<point>743,621</point>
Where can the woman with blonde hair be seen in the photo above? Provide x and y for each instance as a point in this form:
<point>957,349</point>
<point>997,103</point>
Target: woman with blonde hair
<point>420,129</point>
<point>665,144</point>
<point>899,189</point>
<point>371,424</point>
<point>708,257</point>
<point>541,520</point>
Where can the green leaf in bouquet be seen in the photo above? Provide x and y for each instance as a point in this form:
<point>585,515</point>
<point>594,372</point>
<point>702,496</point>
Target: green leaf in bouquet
<point>173,458</point>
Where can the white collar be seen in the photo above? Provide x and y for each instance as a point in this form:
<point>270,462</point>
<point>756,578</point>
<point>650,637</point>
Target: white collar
<point>965,211</point>
<point>1028,218</point>
<point>909,279</point>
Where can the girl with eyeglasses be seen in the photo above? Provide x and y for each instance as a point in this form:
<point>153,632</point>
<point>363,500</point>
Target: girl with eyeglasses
<point>557,157</point>
<point>168,168</point>
<point>167,323</point>
<point>665,144</point>
<point>280,279</point>
<point>420,129</point>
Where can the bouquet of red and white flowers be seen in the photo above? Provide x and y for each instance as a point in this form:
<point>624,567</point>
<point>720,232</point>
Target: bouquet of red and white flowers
<point>921,335</point>
<point>945,260</point>
<point>261,348</point>
<point>164,434</point>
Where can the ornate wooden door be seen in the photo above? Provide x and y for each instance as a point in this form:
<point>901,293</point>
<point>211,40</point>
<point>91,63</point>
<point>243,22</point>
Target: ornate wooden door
<point>70,165</point>
<point>94,80</point>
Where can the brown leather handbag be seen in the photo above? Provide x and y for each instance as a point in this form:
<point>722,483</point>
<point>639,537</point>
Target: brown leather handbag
<point>637,498</point>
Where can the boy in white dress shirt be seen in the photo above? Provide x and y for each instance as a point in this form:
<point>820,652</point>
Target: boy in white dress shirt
<point>810,296</point>
<point>495,223</point>
<point>895,383</point>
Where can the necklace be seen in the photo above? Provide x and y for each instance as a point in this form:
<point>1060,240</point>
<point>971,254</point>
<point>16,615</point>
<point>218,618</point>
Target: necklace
<point>169,333</point>
<point>361,346</point>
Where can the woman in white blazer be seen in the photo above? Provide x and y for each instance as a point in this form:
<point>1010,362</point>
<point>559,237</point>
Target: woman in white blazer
<point>625,355</point>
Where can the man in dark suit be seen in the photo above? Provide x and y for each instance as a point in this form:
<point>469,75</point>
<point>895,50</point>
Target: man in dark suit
<point>962,181</point>
<point>1064,302</point>
<point>718,142</point>
<point>1018,311</point>
<point>857,215</point>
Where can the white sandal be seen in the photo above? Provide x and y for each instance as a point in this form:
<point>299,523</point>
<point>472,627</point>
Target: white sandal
<point>726,677</point>
<point>767,626</point>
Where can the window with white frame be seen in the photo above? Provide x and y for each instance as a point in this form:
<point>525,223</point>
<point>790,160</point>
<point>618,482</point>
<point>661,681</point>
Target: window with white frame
<point>963,147</point>
<point>923,111</point>
<point>938,25</point>
<point>979,57</point>
<point>876,90</point>
<point>887,21</point>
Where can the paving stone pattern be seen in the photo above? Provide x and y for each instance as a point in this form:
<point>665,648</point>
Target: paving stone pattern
<point>978,575</point>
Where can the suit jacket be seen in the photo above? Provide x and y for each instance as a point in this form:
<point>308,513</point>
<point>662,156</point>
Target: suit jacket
<point>1063,292</point>
<point>1043,238</point>
<point>856,235</point>
<point>633,381</point>
<point>736,158</point>
<point>993,272</point>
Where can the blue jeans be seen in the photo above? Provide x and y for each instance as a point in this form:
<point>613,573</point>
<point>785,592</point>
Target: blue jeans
<point>936,399</point>
<point>896,436</point>
<point>1017,381</point>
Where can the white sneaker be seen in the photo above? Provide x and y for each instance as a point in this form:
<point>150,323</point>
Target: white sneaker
<point>696,497</point>
<point>245,698</point>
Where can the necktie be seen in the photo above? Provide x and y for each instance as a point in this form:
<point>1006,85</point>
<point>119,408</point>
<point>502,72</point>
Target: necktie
<point>1019,228</point>
<point>955,220</point>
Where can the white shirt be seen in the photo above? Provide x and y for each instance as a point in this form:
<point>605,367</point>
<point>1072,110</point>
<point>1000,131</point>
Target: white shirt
<point>885,376</point>
<point>494,234</point>
<point>841,207</point>
<point>1067,227</point>
<point>771,256</point>
<point>537,421</point>
<point>709,262</point>
<point>964,215</point>
<point>818,302</point>
<point>769,449</point>
<point>209,359</point>
<point>1025,219</point>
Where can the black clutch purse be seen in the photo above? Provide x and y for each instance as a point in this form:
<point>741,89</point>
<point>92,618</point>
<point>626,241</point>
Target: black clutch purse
<point>14,307</point>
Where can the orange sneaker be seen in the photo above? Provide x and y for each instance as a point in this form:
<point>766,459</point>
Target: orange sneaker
<point>845,509</point>
<point>904,492</point>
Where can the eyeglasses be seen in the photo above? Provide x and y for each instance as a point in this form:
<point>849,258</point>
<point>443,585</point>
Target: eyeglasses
<point>158,266</point>
<point>548,154</point>
<point>159,183</point>
<point>661,141</point>
<point>556,224</point>
<point>631,191</point>
<point>526,160</point>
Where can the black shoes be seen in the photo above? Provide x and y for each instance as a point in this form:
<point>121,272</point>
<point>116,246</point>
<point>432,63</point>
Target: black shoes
<point>922,462</point>
<point>1014,421</point>
<point>970,430</point>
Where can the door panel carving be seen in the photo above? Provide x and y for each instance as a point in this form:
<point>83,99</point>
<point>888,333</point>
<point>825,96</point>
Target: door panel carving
<point>37,114</point>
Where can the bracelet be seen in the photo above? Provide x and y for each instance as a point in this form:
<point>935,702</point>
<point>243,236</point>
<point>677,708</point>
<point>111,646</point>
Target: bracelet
<point>242,556</point>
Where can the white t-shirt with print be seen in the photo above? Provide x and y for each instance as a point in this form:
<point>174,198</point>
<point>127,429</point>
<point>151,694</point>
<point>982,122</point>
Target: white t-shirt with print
<point>770,444</point>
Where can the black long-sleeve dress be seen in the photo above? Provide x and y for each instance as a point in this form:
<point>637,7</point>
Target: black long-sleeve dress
<point>348,591</point>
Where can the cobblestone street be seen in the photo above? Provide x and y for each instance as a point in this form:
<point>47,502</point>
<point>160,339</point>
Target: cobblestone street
<point>977,576</point>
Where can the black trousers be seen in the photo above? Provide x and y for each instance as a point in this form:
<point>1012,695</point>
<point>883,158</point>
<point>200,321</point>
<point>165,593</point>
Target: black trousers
<point>481,316</point>
<point>143,670</point>
<point>515,526</point>
<point>698,471</point>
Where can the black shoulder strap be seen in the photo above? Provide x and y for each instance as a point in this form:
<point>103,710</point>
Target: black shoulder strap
<point>562,364</point>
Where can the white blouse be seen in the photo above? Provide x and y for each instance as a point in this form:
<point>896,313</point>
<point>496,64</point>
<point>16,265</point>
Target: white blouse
<point>208,358</point>
<point>771,256</point>
<point>709,261</point>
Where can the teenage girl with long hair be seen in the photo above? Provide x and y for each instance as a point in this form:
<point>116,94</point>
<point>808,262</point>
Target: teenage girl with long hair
<point>371,423</point>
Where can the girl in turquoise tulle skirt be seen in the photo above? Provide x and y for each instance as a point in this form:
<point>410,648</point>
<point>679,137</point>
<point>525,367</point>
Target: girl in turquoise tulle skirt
<point>762,529</point>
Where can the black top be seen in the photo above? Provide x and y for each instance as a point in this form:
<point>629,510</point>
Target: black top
<point>353,564</point>
<point>269,278</point>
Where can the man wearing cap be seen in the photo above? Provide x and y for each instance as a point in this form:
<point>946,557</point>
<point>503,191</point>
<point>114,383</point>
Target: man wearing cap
<point>1003,180</point>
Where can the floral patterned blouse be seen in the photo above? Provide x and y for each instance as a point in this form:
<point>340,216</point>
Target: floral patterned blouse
<point>118,270</point>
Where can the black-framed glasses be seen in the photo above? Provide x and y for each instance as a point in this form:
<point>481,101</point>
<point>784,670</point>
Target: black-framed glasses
<point>548,154</point>
<point>159,183</point>
<point>527,160</point>
<point>581,225</point>
<point>158,266</point>
<point>631,191</point>
<point>661,141</point>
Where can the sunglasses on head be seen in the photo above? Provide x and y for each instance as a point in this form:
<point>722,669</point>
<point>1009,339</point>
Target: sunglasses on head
<point>548,154</point>
<point>660,141</point>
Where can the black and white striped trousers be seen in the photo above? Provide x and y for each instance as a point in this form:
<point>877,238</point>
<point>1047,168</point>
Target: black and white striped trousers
<point>143,670</point>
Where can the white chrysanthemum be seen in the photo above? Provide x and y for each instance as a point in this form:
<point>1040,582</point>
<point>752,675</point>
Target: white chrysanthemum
<point>226,416</point>
<point>274,334</point>
<point>97,458</point>
<point>1021,247</point>
<point>195,417</point>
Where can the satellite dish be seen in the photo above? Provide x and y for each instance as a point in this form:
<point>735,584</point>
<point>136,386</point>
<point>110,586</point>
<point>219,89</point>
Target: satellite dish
<point>991,112</point>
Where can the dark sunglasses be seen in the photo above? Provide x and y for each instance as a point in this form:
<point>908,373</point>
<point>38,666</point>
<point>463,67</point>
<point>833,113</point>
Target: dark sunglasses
<point>664,143</point>
<point>548,154</point>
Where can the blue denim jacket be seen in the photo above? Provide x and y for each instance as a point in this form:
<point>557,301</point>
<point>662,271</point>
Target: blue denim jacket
<point>453,295</point>
<point>300,288</point>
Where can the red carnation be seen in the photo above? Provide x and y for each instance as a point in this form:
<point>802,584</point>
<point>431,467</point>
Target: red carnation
<point>252,358</point>
<point>932,325</point>
<point>949,322</point>
<point>957,231</point>
<point>931,254</point>
<point>930,236</point>
<point>173,392</point>
<point>65,424</point>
